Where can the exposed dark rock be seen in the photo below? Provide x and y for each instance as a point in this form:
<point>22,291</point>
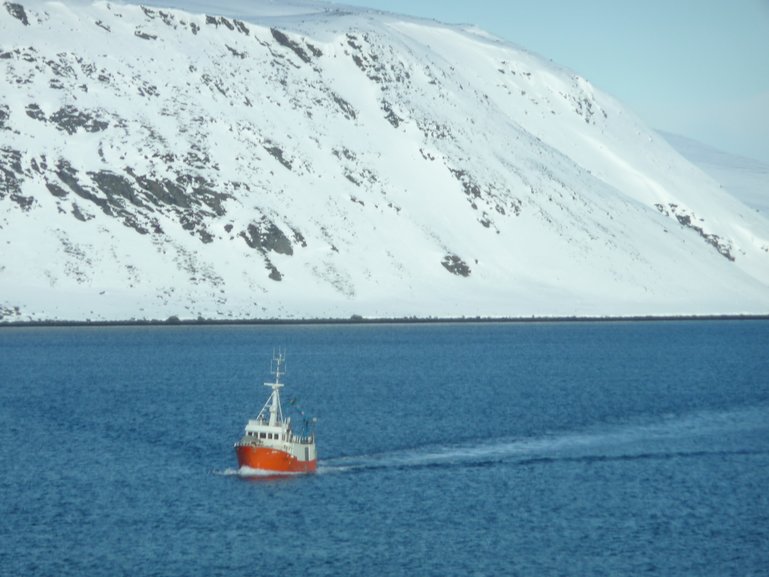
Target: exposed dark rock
<point>102,25</point>
<point>359,62</point>
<point>514,204</point>
<point>235,52</point>
<point>131,221</point>
<point>275,273</point>
<point>167,18</point>
<point>10,171</point>
<point>68,175</point>
<point>374,67</point>
<point>156,228</point>
<point>5,113</point>
<point>78,214</point>
<point>315,50</point>
<point>193,222</point>
<point>147,89</point>
<point>216,21</point>
<point>61,68</point>
<point>163,192</point>
<point>687,220</point>
<point>241,26</point>
<point>144,35</point>
<point>723,247</point>
<point>266,236</point>
<point>345,106</point>
<point>277,153</point>
<point>17,11</point>
<point>284,40</point>
<point>41,167</point>
<point>8,312</point>
<point>390,115</point>
<point>197,158</point>
<point>187,222</point>
<point>24,202</point>
<point>344,152</point>
<point>185,197</point>
<point>299,238</point>
<point>471,188</point>
<point>11,158</point>
<point>115,185</point>
<point>56,190</point>
<point>69,119</point>
<point>455,265</point>
<point>434,130</point>
<point>201,191</point>
<point>33,111</point>
<point>352,41</point>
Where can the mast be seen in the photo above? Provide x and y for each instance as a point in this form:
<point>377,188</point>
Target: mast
<point>276,412</point>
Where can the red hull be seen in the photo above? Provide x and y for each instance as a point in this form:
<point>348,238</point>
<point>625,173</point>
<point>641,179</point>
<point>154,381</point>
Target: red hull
<point>272,460</point>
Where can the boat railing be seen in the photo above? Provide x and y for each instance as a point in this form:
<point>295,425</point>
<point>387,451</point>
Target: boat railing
<point>257,442</point>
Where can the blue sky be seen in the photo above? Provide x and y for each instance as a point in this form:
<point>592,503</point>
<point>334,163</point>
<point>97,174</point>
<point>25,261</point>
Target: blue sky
<point>699,68</point>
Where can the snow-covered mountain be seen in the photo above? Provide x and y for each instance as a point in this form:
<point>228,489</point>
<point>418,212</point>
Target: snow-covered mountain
<point>306,161</point>
<point>745,178</point>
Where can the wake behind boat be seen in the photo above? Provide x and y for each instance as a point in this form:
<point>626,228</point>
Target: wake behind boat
<point>269,443</point>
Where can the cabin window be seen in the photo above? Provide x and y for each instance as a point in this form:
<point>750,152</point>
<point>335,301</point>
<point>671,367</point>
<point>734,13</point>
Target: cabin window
<point>261,435</point>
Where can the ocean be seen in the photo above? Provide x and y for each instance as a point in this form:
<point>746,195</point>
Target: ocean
<point>542,448</point>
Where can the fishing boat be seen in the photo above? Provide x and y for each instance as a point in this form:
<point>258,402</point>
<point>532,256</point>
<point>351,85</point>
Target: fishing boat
<point>269,442</point>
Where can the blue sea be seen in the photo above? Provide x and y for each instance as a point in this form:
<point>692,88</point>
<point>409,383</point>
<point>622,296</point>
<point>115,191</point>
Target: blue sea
<point>576,448</point>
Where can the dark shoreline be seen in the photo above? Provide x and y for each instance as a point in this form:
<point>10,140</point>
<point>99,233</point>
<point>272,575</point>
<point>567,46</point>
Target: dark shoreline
<point>175,322</point>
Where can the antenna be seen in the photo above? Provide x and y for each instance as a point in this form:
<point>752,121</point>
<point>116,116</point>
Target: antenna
<point>273,403</point>
<point>278,360</point>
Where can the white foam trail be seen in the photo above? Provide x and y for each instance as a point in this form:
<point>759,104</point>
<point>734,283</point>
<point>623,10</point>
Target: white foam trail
<point>225,472</point>
<point>247,472</point>
<point>625,440</point>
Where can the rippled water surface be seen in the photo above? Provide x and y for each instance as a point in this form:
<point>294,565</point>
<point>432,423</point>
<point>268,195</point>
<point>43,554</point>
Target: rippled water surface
<point>490,449</point>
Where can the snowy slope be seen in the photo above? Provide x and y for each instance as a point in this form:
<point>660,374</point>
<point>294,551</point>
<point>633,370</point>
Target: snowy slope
<point>306,161</point>
<point>745,178</point>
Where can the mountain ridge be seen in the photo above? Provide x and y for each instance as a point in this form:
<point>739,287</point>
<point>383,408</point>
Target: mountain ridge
<point>334,163</point>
